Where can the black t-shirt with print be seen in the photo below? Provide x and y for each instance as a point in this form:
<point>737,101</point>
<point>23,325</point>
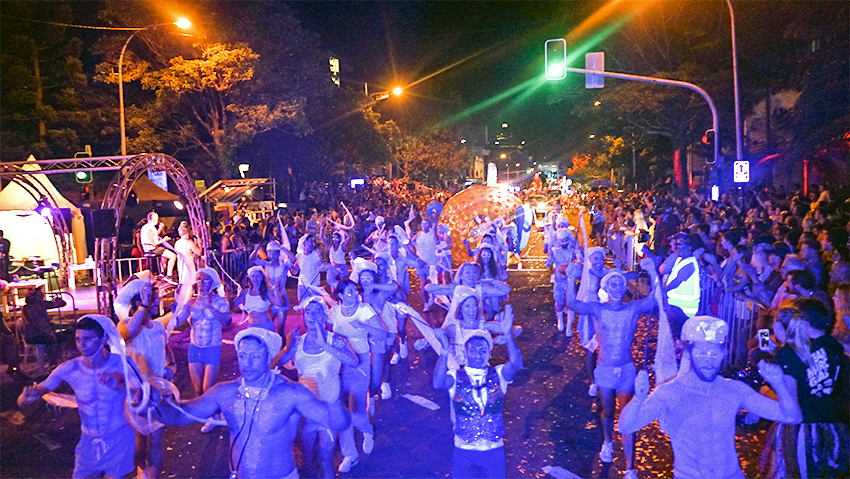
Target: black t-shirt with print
<point>822,390</point>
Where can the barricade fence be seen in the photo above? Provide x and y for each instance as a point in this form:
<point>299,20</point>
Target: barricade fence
<point>232,268</point>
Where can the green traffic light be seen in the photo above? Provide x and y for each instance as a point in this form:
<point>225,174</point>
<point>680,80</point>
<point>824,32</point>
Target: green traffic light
<point>83,176</point>
<point>555,59</point>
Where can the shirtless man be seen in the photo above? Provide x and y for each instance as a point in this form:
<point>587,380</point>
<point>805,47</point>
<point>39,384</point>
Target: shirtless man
<point>107,443</point>
<point>614,323</point>
<point>262,410</point>
<point>697,409</point>
<point>563,254</point>
<point>209,312</point>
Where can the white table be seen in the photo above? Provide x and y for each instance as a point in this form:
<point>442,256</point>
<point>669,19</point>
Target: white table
<point>73,268</point>
<point>12,290</point>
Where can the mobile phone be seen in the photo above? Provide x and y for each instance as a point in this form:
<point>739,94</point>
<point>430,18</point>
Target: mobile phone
<point>764,338</point>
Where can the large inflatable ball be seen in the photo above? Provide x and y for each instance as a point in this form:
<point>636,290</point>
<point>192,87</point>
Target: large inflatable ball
<point>459,214</point>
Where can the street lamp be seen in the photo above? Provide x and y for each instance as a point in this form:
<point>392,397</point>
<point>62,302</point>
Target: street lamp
<point>182,23</point>
<point>739,148</point>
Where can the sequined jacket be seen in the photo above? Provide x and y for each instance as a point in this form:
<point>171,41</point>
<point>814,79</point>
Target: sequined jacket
<point>471,423</point>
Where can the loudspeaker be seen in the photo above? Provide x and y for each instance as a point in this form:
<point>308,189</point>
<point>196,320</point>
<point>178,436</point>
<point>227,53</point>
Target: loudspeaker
<point>103,223</point>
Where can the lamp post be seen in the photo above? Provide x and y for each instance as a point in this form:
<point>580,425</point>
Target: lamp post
<point>739,147</point>
<point>183,23</point>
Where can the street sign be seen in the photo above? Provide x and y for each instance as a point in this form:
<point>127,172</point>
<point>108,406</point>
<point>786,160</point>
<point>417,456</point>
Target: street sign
<point>159,178</point>
<point>594,61</point>
<point>741,171</point>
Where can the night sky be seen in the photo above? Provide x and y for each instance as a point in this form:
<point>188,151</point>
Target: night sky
<point>389,43</point>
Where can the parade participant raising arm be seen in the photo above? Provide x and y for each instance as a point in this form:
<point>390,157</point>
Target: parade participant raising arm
<point>208,313</point>
<point>697,409</point>
<point>477,392</point>
<point>614,323</point>
<point>259,299</point>
<point>262,410</point>
<point>147,344</point>
<point>318,355</point>
<point>107,443</point>
<point>309,267</point>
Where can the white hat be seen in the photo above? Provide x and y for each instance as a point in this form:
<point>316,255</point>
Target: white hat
<point>272,340</point>
<point>705,328</point>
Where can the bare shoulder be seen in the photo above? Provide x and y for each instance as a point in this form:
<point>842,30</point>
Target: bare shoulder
<point>288,391</point>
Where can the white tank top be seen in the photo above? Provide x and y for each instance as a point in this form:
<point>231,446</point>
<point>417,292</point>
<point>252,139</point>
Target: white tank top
<point>318,372</point>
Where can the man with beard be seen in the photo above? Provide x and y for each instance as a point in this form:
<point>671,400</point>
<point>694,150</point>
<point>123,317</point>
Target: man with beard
<point>697,409</point>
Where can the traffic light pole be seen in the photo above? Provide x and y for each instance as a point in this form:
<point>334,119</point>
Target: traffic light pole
<point>715,124</point>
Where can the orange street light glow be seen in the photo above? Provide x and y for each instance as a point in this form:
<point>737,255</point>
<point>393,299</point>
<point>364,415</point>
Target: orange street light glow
<point>503,156</point>
<point>183,23</point>
<point>397,91</point>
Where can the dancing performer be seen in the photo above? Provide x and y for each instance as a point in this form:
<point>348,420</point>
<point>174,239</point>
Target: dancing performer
<point>490,271</point>
<point>403,258</point>
<point>469,275</point>
<point>468,319</point>
<point>309,267</point>
<point>280,261</point>
<point>697,409</point>
<point>358,322</point>
<point>378,295</point>
<point>147,344</point>
<point>336,255</point>
<point>614,323</point>
<point>107,443</point>
<point>477,393</point>
<point>444,254</point>
<point>259,299</point>
<point>425,242</point>
<point>318,355</point>
<point>208,313</point>
<point>379,239</point>
<point>262,410</point>
<point>562,255</point>
<point>187,250</point>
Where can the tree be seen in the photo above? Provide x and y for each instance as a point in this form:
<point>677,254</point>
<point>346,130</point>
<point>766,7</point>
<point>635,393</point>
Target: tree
<point>432,158</point>
<point>201,97</point>
<point>598,165</point>
<point>43,110</point>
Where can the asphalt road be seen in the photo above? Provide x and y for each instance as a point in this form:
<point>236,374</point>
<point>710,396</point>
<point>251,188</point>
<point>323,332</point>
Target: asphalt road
<point>550,418</point>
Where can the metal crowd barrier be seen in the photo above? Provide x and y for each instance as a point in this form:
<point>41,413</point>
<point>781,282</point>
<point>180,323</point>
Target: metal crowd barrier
<point>231,267</point>
<point>740,313</point>
<point>126,267</point>
<point>622,247</point>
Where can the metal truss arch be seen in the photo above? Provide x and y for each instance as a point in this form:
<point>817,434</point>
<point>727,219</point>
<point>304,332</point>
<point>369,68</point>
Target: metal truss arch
<point>37,190</point>
<point>116,198</point>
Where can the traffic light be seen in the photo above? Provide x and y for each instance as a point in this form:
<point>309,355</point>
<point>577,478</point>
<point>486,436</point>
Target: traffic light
<point>556,59</point>
<point>83,176</point>
<point>86,193</point>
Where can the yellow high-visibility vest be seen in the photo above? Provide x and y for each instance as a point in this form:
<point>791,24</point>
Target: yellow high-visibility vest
<point>686,295</point>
